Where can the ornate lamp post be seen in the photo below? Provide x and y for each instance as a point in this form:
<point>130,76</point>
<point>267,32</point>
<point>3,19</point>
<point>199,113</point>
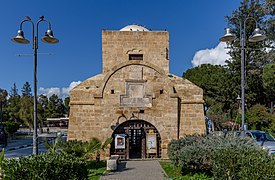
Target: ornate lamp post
<point>48,38</point>
<point>256,36</point>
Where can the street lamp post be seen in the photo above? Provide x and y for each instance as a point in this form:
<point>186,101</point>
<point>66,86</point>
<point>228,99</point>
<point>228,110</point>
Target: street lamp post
<point>256,36</point>
<point>48,38</point>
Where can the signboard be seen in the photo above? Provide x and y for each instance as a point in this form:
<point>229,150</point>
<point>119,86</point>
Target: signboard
<point>120,141</point>
<point>151,143</point>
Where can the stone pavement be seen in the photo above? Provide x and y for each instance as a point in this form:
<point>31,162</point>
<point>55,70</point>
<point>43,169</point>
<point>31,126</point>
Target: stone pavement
<point>136,170</point>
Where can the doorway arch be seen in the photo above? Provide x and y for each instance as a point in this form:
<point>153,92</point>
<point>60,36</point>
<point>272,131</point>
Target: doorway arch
<point>136,139</point>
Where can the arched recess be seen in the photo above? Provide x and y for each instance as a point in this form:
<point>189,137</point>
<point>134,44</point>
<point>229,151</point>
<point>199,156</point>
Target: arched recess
<point>136,139</point>
<point>100,90</point>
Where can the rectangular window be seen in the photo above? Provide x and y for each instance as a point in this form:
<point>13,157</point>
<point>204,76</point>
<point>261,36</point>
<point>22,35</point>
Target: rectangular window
<point>135,56</point>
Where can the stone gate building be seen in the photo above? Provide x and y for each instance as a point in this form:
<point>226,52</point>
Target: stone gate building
<point>135,99</point>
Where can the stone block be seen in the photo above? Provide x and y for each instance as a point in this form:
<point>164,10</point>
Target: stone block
<point>111,165</point>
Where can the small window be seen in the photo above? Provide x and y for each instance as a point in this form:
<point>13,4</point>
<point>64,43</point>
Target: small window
<point>135,56</point>
<point>141,111</point>
<point>112,91</point>
<point>161,91</point>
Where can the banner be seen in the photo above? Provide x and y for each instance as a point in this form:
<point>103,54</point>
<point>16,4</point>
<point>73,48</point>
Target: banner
<point>151,143</point>
<point>120,141</point>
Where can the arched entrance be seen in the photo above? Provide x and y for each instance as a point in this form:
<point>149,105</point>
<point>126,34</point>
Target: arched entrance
<point>136,139</point>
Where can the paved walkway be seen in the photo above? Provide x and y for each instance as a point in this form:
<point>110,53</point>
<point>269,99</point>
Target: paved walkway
<point>136,170</point>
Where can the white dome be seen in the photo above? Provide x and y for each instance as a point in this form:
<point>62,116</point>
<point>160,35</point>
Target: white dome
<point>134,28</point>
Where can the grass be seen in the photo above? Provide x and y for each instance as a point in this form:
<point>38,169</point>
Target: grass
<point>170,170</point>
<point>176,174</point>
<point>96,169</point>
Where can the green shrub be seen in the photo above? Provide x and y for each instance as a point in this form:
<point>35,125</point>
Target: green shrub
<point>241,158</point>
<point>59,166</point>
<point>82,149</point>
<point>223,157</point>
<point>96,169</point>
<point>73,147</point>
<point>175,146</point>
<point>10,127</point>
<point>196,176</point>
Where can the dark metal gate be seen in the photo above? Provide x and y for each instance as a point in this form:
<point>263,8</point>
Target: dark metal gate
<point>131,140</point>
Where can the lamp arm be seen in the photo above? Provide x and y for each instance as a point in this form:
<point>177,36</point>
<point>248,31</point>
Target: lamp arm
<point>33,38</point>
<point>251,18</point>
<point>240,26</point>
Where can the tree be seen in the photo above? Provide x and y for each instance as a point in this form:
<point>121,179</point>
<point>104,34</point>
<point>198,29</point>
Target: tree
<point>55,107</point>
<point>3,95</point>
<point>42,106</point>
<point>26,90</point>
<point>258,118</point>
<point>216,82</point>
<point>26,110</point>
<point>13,105</point>
<point>269,82</point>
<point>256,54</point>
<point>67,105</point>
<point>14,91</point>
<point>3,101</point>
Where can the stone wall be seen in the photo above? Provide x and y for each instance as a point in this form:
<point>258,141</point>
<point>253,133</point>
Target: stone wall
<point>117,45</point>
<point>172,104</point>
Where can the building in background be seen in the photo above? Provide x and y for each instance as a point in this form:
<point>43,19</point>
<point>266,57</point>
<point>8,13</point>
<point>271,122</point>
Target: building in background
<point>135,99</point>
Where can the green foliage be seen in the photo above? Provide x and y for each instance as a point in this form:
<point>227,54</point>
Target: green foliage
<point>255,54</point>
<point>85,149</point>
<point>216,82</point>
<point>175,146</point>
<point>2,157</point>
<point>26,90</point>
<point>3,95</point>
<point>19,109</point>
<point>241,160</point>
<point>59,166</point>
<point>96,169</point>
<point>26,110</point>
<point>171,171</point>
<point>74,147</point>
<point>11,127</point>
<point>224,157</point>
<point>174,172</point>
<point>269,80</point>
<point>196,176</point>
<point>55,107</point>
<point>259,119</point>
<point>67,105</point>
<point>52,146</point>
<point>14,91</point>
<point>13,105</point>
<point>222,84</point>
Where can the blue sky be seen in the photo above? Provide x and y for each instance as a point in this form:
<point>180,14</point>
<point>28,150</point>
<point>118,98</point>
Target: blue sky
<point>194,27</point>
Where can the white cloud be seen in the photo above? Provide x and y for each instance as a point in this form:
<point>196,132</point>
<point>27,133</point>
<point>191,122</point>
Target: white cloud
<point>60,92</point>
<point>215,56</point>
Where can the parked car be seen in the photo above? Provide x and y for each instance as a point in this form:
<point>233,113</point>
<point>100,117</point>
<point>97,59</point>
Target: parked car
<point>264,139</point>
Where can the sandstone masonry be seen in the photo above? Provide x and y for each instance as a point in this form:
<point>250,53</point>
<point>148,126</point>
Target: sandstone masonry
<point>135,82</point>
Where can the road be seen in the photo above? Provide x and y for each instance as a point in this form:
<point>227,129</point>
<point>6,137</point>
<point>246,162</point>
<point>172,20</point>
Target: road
<point>23,147</point>
<point>26,151</point>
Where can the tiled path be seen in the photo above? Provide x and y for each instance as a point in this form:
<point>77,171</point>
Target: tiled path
<point>136,170</point>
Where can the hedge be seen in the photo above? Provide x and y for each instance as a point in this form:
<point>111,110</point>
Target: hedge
<point>50,166</point>
<point>222,157</point>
